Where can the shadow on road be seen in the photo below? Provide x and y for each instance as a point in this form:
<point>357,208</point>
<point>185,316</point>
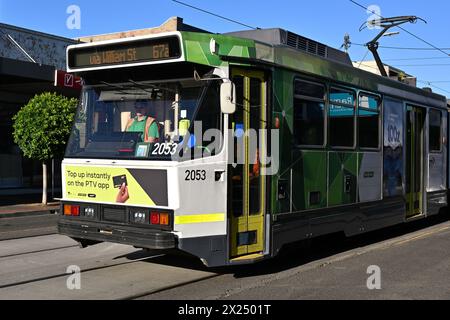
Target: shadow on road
<point>293,255</point>
<point>302,253</point>
<point>168,258</point>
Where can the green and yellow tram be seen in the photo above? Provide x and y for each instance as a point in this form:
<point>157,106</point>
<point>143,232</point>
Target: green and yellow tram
<point>248,141</point>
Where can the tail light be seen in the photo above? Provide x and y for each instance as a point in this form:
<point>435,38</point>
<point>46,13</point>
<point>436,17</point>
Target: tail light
<point>162,219</point>
<point>73,211</point>
<point>154,218</point>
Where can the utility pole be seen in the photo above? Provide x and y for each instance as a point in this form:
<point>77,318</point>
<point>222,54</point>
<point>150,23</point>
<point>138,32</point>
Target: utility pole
<point>347,43</point>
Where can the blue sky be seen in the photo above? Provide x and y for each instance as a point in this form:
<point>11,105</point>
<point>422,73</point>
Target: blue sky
<point>326,21</point>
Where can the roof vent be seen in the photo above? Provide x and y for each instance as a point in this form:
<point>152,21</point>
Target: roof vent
<point>279,37</point>
<point>304,44</point>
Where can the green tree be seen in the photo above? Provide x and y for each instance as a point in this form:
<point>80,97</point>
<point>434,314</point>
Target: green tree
<point>42,128</point>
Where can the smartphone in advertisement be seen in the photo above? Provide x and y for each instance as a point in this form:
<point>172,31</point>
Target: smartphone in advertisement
<point>119,181</point>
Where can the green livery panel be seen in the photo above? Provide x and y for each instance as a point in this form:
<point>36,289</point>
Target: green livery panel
<point>342,178</point>
<point>309,180</point>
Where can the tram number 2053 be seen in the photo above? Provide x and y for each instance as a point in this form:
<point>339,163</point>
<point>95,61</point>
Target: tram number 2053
<point>195,175</point>
<point>165,149</point>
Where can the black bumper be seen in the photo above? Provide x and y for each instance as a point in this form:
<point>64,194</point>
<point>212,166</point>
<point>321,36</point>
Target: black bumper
<point>101,232</point>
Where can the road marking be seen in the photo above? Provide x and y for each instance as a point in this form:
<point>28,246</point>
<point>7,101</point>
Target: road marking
<point>421,236</point>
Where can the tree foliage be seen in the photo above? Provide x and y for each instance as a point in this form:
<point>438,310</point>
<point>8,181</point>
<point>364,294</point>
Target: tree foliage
<point>42,127</point>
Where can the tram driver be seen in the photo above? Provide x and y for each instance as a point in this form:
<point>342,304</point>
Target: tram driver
<point>143,123</point>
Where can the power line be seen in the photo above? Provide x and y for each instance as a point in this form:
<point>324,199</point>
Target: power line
<point>214,14</point>
<point>429,83</point>
<point>364,58</point>
<point>405,48</point>
<point>401,28</point>
<point>424,65</point>
<point>418,59</point>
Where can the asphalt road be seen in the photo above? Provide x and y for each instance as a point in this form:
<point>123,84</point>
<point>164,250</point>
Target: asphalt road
<point>414,262</point>
<point>37,268</point>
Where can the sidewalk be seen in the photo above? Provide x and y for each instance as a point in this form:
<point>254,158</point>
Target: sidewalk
<point>24,204</point>
<point>22,210</point>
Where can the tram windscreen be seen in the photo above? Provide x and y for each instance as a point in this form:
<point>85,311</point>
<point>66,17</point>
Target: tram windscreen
<point>136,121</point>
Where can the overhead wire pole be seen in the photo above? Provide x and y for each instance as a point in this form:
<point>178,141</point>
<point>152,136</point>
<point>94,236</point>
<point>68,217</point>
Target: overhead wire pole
<point>403,29</point>
<point>386,24</point>
<point>432,47</point>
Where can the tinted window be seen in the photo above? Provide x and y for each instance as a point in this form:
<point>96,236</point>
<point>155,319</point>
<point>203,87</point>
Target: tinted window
<point>369,121</point>
<point>309,114</point>
<point>342,118</point>
<point>342,126</point>
<point>309,120</point>
<point>309,89</point>
<point>435,130</point>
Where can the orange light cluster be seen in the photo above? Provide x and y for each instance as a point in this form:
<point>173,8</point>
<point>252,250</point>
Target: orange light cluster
<point>157,218</point>
<point>72,211</point>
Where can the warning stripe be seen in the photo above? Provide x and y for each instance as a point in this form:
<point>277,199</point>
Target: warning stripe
<point>200,218</point>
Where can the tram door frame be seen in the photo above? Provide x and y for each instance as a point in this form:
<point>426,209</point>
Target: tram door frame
<point>415,160</point>
<point>247,183</point>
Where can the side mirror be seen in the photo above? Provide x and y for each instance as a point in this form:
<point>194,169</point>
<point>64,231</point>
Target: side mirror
<point>228,98</point>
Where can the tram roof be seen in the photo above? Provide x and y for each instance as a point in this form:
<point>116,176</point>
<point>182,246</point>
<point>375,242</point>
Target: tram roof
<point>334,64</point>
<point>276,48</point>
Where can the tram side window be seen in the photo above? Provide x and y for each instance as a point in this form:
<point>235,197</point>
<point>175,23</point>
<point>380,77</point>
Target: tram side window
<point>342,118</point>
<point>435,136</point>
<point>369,121</point>
<point>309,114</point>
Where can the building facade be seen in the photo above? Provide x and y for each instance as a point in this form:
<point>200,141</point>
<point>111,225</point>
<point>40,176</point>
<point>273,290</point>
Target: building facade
<point>28,61</point>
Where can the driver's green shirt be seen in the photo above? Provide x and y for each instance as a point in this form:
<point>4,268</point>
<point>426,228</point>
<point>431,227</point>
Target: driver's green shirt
<point>139,126</point>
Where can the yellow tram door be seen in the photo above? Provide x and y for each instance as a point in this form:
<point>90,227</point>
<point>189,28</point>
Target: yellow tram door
<point>415,125</point>
<point>247,184</point>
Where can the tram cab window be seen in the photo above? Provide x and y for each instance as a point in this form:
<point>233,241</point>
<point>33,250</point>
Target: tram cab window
<point>309,114</point>
<point>342,118</point>
<point>113,120</point>
<point>369,121</point>
<point>435,136</point>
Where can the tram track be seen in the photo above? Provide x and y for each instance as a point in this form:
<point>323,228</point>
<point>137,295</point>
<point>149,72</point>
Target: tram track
<point>37,268</point>
<point>37,251</point>
<point>82,271</point>
<point>143,295</point>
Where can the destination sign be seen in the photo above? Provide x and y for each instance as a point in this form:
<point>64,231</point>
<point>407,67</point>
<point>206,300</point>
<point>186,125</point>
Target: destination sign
<point>125,53</point>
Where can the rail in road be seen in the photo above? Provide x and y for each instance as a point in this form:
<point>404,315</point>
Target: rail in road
<point>36,268</point>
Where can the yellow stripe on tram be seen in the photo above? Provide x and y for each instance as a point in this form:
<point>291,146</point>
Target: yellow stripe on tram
<point>200,218</point>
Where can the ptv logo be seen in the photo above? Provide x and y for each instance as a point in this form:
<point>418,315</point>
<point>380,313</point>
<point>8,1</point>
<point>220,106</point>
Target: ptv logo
<point>68,80</point>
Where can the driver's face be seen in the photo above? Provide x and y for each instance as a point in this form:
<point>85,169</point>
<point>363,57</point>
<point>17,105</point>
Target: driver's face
<point>140,110</point>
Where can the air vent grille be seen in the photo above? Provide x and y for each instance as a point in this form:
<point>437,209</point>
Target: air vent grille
<point>307,45</point>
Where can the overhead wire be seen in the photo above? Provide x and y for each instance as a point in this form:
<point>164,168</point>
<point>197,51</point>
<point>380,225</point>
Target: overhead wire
<point>406,48</point>
<point>429,83</point>
<point>214,14</point>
